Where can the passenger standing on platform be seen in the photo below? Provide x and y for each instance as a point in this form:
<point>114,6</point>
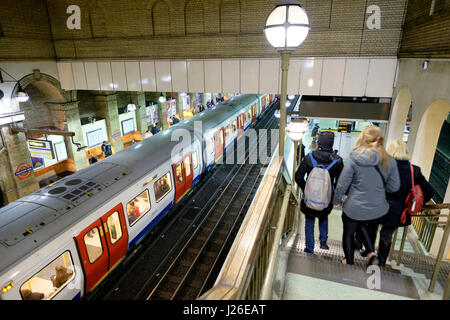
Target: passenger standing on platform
<point>154,130</point>
<point>368,174</point>
<point>201,108</point>
<point>325,156</point>
<point>399,151</point>
<point>106,148</point>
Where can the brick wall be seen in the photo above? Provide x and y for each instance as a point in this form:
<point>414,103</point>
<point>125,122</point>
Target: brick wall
<point>161,29</point>
<point>424,35</point>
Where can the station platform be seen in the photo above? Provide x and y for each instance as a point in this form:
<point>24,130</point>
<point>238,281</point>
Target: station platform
<point>321,276</point>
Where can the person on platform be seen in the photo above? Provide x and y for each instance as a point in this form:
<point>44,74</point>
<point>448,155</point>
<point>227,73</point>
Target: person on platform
<point>106,148</point>
<point>154,130</point>
<point>326,157</point>
<point>92,159</point>
<point>368,174</point>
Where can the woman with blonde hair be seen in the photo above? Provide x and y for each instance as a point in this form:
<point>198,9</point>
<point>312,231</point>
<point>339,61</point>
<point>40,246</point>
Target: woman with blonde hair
<point>391,221</point>
<point>368,174</point>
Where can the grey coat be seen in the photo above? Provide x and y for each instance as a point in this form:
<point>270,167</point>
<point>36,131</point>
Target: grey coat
<point>366,191</point>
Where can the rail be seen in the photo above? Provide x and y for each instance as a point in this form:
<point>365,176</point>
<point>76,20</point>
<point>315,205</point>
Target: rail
<point>431,213</point>
<point>247,273</point>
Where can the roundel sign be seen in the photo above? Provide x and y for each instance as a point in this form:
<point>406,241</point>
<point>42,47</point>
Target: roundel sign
<point>116,135</point>
<point>23,171</point>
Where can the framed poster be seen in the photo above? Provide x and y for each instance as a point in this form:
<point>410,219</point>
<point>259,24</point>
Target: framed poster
<point>95,137</point>
<point>37,162</point>
<point>127,126</point>
<point>61,152</point>
<point>41,148</point>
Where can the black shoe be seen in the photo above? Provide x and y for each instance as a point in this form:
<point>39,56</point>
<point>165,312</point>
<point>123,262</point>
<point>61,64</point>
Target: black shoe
<point>308,251</point>
<point>363,253</point>
<point>373,261</point>
<point>323,245</point>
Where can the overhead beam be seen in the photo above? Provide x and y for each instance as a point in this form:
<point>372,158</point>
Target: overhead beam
<point>43,131</point>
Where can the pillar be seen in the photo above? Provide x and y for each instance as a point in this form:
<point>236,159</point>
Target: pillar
<point>180,109</point>
<point>107,108</point>
<point>163,114</point>
<point>73,124</point>
<point>193,102</point>
<point>13,157</point>
<point>138,98</point>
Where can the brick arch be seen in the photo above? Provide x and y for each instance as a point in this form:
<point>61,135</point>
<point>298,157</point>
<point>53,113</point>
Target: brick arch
<point>151,3</point>
<point>230,16</point>
<point>98,19</point>
<point>160,18</point>
<point>194,16</point>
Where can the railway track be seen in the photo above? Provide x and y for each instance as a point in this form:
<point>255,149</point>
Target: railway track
<point>181,258</point>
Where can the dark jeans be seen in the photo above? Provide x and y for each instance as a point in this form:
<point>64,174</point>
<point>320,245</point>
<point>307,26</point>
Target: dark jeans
<point>385,233</point>
<point>350,228</point>
<point>309,231</point>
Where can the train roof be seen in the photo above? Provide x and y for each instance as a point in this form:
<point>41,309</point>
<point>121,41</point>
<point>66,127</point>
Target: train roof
<point>30,221</point>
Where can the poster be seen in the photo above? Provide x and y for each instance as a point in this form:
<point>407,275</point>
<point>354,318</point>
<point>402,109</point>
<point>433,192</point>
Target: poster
<point>60,150</point>
<point>95,137</point>
<point>128,126</point>
<point>37,162</point>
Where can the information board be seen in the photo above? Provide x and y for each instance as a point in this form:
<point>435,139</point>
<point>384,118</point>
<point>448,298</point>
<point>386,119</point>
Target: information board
<point>127,126</point>
<point>41,149</point>
<point>61,152</point>
<point>95,137</point>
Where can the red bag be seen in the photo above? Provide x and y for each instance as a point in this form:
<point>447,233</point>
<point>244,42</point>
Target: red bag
<point>414,200</point>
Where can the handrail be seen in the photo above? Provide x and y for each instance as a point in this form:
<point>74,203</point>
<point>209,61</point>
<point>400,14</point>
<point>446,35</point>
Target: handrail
<point>233,280</point>
<point>267,284</point>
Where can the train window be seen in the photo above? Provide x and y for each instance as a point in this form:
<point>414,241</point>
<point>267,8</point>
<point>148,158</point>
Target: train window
<point>194,160</point>
<point>234,126</point>
<point>179,173</point>
<point>187,166</point>
<point>162,186</point>
<point>45,284</point>
<point>115,230</point>
<point>138,207</point>
<point>227,132</point>
<point>212,146</point>
<point>93,245</point>
<point>249,114</point>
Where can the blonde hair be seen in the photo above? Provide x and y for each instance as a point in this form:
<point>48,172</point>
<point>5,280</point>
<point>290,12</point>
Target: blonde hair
<point>398,150</point>
<point>371,138</point>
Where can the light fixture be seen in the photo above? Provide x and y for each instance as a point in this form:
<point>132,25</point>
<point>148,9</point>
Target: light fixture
<point>287,25</point>
<point>277,114</point>
<point>131,106</point>
<point>297,129</point>
<point>291,97</point>
<point>287,104</point>
<point>162,98</point>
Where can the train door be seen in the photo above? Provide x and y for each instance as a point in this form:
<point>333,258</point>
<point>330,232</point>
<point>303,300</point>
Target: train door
<point>263,104</point>
<point>219,141</point>
<point>102,245</point>
<point>254,112</point>
<point>183,173</point>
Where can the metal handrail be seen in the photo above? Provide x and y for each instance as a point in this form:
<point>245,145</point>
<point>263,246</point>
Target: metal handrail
<point>429,208</point>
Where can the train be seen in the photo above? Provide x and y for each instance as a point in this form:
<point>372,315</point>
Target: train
<point>62,241</point>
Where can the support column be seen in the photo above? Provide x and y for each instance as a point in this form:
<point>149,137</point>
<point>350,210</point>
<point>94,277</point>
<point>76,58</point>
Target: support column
<point>193,101</point>
<point>138,99</point>
<point>163,115</point>
<point>107,108</point>
<point>73,124</point>
<point>13,158</point>
<point>285,56</point>
<point>180,109</point>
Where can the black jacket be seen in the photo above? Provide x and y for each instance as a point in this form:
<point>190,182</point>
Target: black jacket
<point>397,199</point>
<point>325,158</point>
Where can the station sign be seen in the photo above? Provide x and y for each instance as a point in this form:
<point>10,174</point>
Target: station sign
<point>23,171</point>
<point>41,149</point>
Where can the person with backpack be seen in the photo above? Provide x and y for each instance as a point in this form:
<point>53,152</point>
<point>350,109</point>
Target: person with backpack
<point>106,148</point>
<point>323,167</point>
<point>368,174</point>
<point>400,209</point>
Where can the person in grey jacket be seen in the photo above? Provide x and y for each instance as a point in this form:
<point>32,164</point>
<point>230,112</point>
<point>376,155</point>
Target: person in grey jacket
<point>368,174</point>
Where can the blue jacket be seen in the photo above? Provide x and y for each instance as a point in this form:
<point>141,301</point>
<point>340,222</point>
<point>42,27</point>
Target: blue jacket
<point>366,198</point>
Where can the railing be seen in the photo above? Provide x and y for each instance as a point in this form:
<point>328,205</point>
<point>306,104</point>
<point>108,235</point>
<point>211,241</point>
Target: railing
<point>432,215</point>
<point>425,228</point>
<point>249,268</point>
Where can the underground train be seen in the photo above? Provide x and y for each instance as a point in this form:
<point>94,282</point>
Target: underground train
<point>61,241</point>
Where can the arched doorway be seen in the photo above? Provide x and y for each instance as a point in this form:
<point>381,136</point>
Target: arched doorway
<point>428,135</point>
<point>399,115</point>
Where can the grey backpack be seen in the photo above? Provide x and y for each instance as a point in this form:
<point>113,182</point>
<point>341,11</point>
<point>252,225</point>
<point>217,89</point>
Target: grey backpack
<point>317,194</point>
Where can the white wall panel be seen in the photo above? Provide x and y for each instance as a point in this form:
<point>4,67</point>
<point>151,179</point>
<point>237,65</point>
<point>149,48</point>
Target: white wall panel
<point>355,78</point>
<point>105,75</point>
<point>213,76</point>
<point>380,80</point>
<point>163,76</point>
<point>295,66</point>
<point>231,76</point>
<point>268,75</point>
<point>133,76</point>
<point>249,76</point>
<point>179,76</point>
<point>332,77</point>
<point>148,78</point>
<point>93,82</point>
<point>196,78</point>
<point>65,75</point>
<point>118,75</point>
<point>79,75</point>
<point>310,77</point>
